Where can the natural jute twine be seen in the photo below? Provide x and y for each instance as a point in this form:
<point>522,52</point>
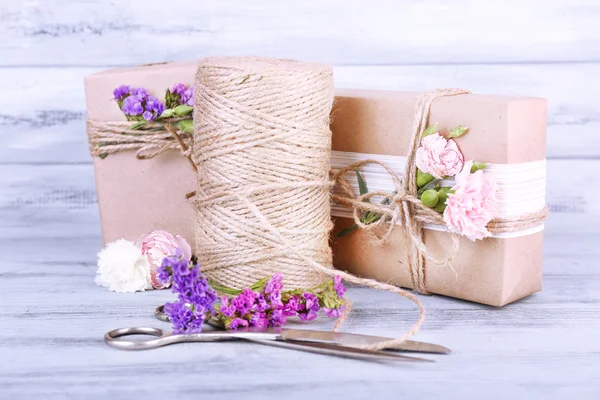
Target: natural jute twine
<point>107,137</point>
<point>262,147</point>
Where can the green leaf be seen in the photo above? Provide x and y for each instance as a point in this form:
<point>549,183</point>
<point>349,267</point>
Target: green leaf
<point>103,155</point>
<point>138,125</point>
<point>168,113</point>
<point>458,131</point>
<point>430,198</point>
<point>183,110</point>
<point>423,178</point>
<point>224,289</point>
<point>372,217</point>
<point>362,186</point>
<point>347,230</point>
<point>477,166</point>
<point>431,129</point>
<point>186,125</point>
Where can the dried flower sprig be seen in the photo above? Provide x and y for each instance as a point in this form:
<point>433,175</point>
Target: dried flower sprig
<point>138,105</point>
<point>264,304</point>
<point>153,115</point>
<point>267,304</point>
<point>195,298</point>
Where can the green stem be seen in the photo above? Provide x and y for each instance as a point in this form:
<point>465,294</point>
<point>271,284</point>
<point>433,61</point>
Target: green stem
<point>224,289</point>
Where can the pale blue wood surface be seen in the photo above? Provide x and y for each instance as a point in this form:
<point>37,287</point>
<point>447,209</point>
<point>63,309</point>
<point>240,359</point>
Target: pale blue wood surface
<point>53,317</point>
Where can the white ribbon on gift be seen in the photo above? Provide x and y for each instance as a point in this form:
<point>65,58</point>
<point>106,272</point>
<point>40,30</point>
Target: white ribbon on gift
<point>522,186</point>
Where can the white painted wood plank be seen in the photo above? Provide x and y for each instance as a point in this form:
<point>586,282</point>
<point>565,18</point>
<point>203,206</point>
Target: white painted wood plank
<point>129,32</point>
<point>42,110</point>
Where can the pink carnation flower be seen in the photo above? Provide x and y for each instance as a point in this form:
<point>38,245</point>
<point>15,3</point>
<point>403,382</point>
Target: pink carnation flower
<point>439,156</point>
<point>472,205</point>
<point>157,245</point>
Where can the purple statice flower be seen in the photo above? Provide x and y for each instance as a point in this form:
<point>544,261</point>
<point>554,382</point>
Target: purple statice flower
<point>339,287</point>
<point>274,284</point>
<point>195,298</point>
<point>277,318</point>
<point>244,303</point>
<point>185,318</point>
<point>236,323</point>
<point>334,312</point>
<point>259,319</point>
<point>292,306</point>
<point>132,105</point>
<point>201,295</point>
<point>187,97</point>
<point>154,108</point>
<point>179,88</point>
<point>141,92</point>
<point>226,308</point>
<point>121,92</point>
<point>185,93</point>
<point>168,265</point>
<point>261,303</point>
<point>275,299</point>
<point>164,274</point>
<point>136,102</point>
<point>311,307</point>
<point>273,289</point>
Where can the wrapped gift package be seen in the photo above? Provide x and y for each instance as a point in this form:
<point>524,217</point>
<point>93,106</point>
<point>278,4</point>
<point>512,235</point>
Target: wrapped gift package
<point>138,196</point>
<point>506,132</point>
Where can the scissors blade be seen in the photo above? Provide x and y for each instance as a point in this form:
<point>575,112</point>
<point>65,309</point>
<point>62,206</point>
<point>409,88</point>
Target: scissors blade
<point>357,340</point>
<point>339,350</point>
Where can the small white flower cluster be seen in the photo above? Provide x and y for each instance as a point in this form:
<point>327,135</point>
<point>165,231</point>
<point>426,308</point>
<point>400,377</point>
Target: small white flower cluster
<point>122,268</point>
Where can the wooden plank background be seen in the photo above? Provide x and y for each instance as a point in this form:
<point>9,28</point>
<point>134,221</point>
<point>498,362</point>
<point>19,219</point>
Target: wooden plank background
<point>49,223</point>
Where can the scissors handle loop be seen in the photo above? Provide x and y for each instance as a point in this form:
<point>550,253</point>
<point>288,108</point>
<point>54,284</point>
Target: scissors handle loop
<point>158,338</point>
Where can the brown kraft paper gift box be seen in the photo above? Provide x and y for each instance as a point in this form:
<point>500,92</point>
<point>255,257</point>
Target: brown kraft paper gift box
<point>138,196</point>
<point>502,130</point>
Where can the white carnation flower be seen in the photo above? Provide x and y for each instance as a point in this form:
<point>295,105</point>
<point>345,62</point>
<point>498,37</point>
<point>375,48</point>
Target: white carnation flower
<point>122,268</point>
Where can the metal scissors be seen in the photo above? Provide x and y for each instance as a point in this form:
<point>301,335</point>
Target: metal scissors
<point>321,342</point>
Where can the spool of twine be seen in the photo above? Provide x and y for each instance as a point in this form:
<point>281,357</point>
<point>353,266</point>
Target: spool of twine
<point>262,147</point>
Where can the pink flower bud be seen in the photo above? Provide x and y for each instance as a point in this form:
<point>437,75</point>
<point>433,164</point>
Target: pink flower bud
<point>157,245</point>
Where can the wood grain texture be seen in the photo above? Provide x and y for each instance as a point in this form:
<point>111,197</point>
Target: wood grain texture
<point>42,110</point>
<point>384,32</point>
<point>54,320</point>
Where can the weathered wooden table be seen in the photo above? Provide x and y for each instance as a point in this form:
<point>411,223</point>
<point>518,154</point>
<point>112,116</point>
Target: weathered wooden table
<point>53,317</point>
